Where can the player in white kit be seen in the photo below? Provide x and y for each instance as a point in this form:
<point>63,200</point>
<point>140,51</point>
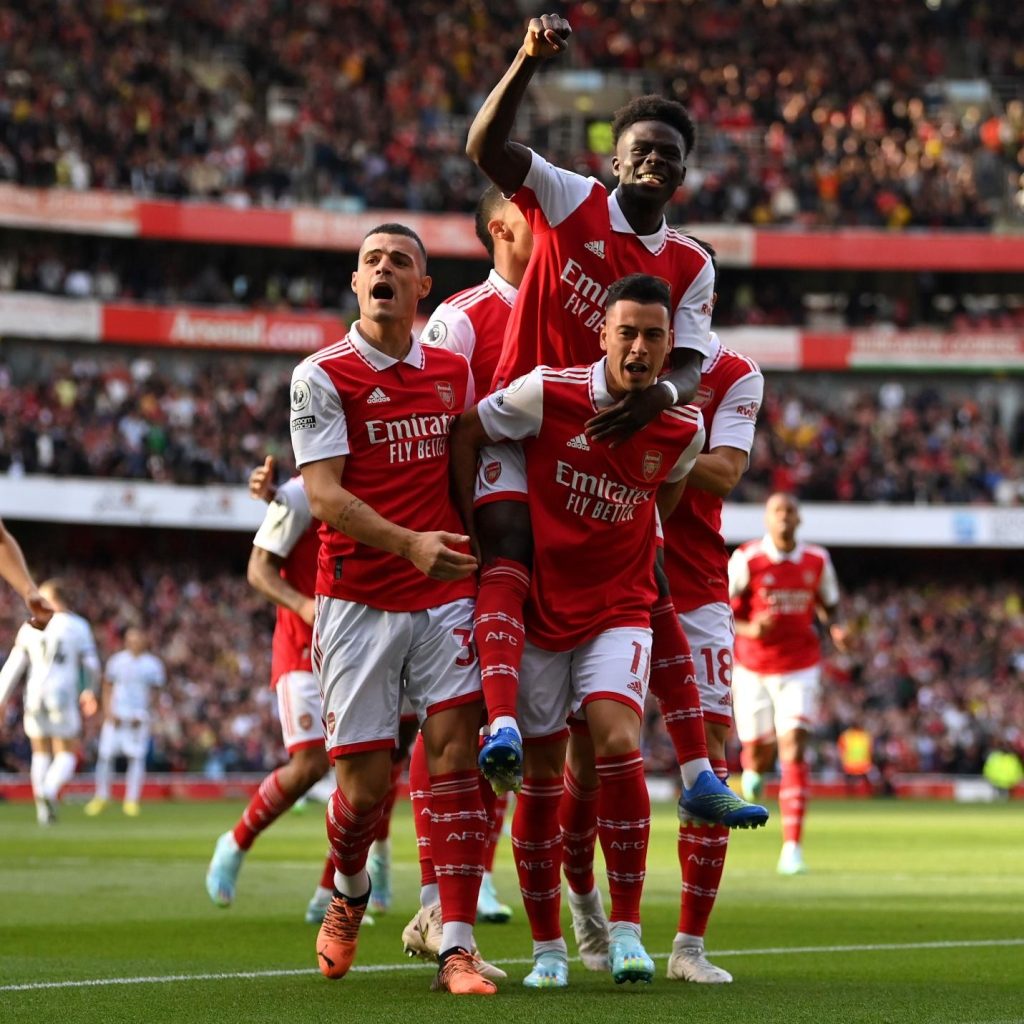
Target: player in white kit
<point>129,679</point>
<point>63,669</point>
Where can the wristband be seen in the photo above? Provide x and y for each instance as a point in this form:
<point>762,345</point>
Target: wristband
<point>672,390</point>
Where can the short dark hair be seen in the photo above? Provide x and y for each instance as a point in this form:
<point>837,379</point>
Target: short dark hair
<point>709,249</point>
<point>489,203</point>
<point>393,228</point>
<point>643,288</point>
<point>656,108</point>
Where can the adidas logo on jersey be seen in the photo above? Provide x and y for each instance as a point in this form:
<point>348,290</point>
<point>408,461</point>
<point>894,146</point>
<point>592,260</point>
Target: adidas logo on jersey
<point>376,397</point>
<point>579,442</point>
<point>596,247</point>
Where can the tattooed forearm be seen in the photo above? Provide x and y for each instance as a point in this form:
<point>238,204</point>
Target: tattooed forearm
<point>350,509</point>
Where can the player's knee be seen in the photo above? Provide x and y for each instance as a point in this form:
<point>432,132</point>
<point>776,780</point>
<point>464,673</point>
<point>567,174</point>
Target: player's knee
<point>504,531</point>
<point>544,760</point>
<point>309,766</point>
<point>579,759</point>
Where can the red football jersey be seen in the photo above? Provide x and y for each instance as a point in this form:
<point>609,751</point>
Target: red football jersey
<point>473,322</point>
<point>790,585</point>
<point>696,560</point>
<point>289,531</point>
<point>592,506</point>
<point>583,244</point>
<point>391,419</point>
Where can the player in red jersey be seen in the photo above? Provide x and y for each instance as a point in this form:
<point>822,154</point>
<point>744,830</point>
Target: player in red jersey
<point>584,239</point>
<point>696,561</point>
<point>588,648</point>
<point>370,418</point>
<point>780,589</point>
<point>282,567</point>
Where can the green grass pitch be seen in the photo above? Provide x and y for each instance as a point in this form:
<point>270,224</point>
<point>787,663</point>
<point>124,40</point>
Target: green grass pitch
<point>911,912</point>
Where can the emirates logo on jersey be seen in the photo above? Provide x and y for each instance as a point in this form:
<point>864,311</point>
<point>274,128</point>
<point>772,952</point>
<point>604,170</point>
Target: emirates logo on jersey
<point>703,396</point>
<point>446,393</point>
<point>651,464</point>
<point>492,471</point>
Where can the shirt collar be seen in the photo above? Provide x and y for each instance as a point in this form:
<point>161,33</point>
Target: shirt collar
<point>381,360</point>
<point>776,555</point>
<point>655,242</point>
<point>507,291</point>
<point>599,393</point>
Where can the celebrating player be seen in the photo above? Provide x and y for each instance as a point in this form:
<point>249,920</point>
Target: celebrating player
<point>779,589</point>
<point>14,569</point>
<point>129,678</point>
<point>585,239</point>
<point>63,671</point>
<point>588,647</point>
<point>282,567</point>
<point>370,420</point>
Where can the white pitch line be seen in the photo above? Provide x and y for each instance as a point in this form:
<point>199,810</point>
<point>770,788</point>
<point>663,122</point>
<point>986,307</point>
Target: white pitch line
<point>166,979</point>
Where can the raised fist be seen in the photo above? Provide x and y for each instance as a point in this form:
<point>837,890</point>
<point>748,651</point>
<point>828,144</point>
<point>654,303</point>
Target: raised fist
<point>546,36</point>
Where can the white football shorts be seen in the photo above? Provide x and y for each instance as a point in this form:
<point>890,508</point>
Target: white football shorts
<point>366,659</point>
<point>614,665</point>
<point>711,634</point>
<point>298,707</point>
<point>56,716</point>
<point>767,706</point>
<point>124,738</point>
<point>500,474</point>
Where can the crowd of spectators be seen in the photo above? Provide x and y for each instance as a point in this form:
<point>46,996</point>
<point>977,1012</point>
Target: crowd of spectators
<point>194,421</point>
<point>935,676</point>
<point>936,673</point>
<point>818,113</point>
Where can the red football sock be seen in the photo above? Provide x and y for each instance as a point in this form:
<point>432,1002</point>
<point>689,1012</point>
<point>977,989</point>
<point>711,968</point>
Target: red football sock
<point>674,683</point>
<point>350,833</point>
<point>384,828</point>
<point>495,806</point>
<point>624,826</point>
<point>420,796</point>
<point>793,788</point>
<point>702,852</point>
<point>577,815</point>
<point>537,840</point>
<point>499,633</point>
<point>267,805</point>
<point>458,833</point>
<point>327,878</point>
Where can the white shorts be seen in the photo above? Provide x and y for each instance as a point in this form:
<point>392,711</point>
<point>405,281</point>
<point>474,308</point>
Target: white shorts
<point>500,473</point>
<point>710,632</point>
<point>366,659</point>
<point>125,738</point>
<point>614,665</point>
<point>767,706</point>
<point>55,717</point>
<point>298,707</point>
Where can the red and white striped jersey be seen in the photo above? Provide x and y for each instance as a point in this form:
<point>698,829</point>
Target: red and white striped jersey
<point>391,419</point>
<point>592,506</point>
<point>289,531</point>
<point>583,244</point>
<point>473,322</point>
<point>696,559</point>
<point>790,585</point>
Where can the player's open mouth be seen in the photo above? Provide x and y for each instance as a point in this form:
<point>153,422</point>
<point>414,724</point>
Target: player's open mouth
<point>650,179</point>
<point>382,290</point>
<point>636,369</point>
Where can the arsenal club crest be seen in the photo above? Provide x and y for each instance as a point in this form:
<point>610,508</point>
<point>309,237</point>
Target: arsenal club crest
<point>652,463</point>
<point>446,393</point>
<point>703,396</point>
<point>492,471</point>
<point>305,721</point>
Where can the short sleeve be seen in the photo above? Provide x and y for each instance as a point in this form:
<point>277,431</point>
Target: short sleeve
<point>692,319</point>
<point>515,412</point>
<point>828,585</point>
<point>287,518</point>
<point>686,461</point>
<point>736,416</point>
<point>158,672</point>
<point>550,194</point>
<point>739,573</point>
<point>450,328</point>
<point>318,426</point>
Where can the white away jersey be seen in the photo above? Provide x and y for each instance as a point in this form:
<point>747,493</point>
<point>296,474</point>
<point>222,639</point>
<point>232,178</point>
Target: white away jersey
<point>58,658</point>
<point>132,677</point>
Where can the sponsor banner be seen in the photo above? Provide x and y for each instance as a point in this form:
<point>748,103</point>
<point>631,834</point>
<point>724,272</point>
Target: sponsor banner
<point>933,350</point>
<point>209,222</point>
<point>129,503</point>
<point>55,209</point>
<point>29,315</point>
<point>218,328</point>
<point>442,234</point>
<point>772,348</point>
<point>734,244</point>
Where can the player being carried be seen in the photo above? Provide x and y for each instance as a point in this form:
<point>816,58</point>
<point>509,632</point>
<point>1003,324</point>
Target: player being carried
<point>584,240</point>
<point>780,590</point>
<point>588,637</point>
<point>370,418</point>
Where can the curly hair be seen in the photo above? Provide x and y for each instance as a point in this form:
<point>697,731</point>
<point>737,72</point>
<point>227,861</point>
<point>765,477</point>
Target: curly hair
<point>656,108</point>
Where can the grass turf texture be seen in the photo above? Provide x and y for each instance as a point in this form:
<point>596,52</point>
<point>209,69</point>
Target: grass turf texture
<point>112,897</point>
